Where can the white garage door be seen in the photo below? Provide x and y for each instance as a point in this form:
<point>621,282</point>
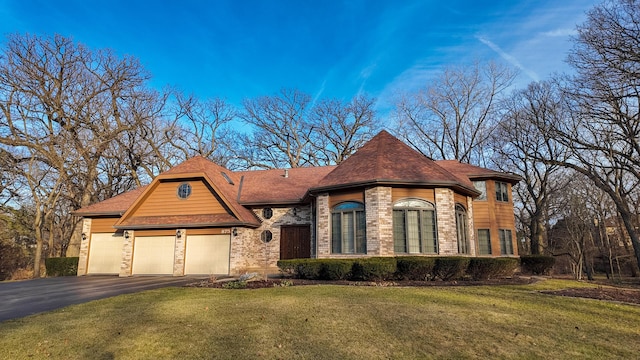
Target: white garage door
<point>105,254</point>
<point>207,254</point>
<point>153,255</point>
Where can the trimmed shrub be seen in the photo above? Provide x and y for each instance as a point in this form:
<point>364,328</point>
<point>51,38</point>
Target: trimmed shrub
<point>415,267</point>
<point>537,264</point>
<point>288,267</point>
<point>309,269</point>
<point>374,269</point>
<point>62,266</point>
<point>336,269</point>
<point>491,268</point>
<point>451,268</point>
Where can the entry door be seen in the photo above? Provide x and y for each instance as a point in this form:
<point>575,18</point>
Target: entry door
<point>295,242</point>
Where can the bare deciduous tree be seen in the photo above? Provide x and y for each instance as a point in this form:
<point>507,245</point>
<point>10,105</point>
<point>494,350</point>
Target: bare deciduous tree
<point>339,128</point>
<point>453,117</point>
<point>281,131</point>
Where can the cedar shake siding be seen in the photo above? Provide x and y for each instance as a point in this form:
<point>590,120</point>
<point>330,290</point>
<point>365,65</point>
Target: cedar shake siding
<point>384,200</point>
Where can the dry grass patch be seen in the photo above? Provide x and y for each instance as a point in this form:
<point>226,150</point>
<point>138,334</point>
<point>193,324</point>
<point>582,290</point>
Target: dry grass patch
<point>331,322</point>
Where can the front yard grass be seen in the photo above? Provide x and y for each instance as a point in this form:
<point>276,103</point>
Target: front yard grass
<point>331,322</point>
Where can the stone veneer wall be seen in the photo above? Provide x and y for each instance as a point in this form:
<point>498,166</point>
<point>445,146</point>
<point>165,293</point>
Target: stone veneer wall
<point>250,254</point>
<point>83,260</point>
<point>379,214</point>
<point>323,226</point>
<point>178,252</point>
<point>446,219</point>
<point>126,265</point>
<point>470,228</point>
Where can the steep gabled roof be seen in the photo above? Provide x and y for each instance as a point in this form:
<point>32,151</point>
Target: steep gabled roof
<point>477,173</point>
<point>387,160</point>
<point>221,181</point>
<point>278,186</point>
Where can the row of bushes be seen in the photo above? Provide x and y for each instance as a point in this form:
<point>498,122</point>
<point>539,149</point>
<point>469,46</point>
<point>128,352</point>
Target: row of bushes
<point>400,268</point>
<point>62,266</point>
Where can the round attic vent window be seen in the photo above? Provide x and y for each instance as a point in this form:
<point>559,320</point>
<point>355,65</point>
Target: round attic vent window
<point>184,191</point>
<point>267,213</point>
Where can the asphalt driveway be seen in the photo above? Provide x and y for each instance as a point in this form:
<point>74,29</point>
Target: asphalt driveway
<point>22,298</point>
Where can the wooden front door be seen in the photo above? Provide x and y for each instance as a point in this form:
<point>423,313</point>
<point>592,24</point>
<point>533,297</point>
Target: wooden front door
<point>295,242</point>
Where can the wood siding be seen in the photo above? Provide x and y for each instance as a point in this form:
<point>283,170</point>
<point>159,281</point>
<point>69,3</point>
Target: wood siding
<point>209,231</point>
<point>460,199</point>
<point>163,201</point>
<point>142,233</point>
<point>494,215</point>
<point>103,225</point>
<point>403,193</point>
<point>336,198</point>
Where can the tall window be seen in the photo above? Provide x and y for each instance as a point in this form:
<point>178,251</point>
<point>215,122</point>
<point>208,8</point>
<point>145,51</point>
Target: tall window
<point>482,187</point>
<point>414,227</point>
<point>501,191</point>
<point>506,243</point>
<point>461,227</point>
<point>484,242</point>
<point>348,224</point>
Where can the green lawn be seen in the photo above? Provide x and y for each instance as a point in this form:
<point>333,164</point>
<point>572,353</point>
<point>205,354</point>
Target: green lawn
<point>331,322</point>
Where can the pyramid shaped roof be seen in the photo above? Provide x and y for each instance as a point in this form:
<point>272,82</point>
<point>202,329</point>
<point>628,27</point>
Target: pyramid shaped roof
<point>387,160</point>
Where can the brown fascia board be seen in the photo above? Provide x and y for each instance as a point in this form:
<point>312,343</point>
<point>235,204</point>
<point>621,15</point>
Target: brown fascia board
<point>512,178</point>
<point>274,202</point>
<point>449,184</point>
<point>97,214</point>
<point>189,226</point>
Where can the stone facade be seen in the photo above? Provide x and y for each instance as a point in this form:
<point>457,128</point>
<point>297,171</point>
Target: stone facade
<point>470,226</point>
<point>250,254</point>
<point>446,220</point>
<point>83,260</point>
<point>379,214</point>
<point>179,251</point>
<point>323,226</point>
<point>126,266</point>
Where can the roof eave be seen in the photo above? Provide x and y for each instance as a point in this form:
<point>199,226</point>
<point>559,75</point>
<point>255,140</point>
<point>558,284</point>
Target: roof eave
<point>90,214</point>
<point>186,226</point>
<point>448,184</point>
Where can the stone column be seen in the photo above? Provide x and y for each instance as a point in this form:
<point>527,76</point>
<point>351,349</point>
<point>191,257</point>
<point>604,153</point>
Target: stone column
<point>323,226</point>
<point>472,232</point>
<point>446,218</point>
<point>127,253</point>
<point>84,247</point>
<point>378,209</point>
<point>178,252</point>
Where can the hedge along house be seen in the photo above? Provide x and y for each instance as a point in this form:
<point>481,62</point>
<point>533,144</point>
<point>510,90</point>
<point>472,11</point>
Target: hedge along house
<point>384,200</point>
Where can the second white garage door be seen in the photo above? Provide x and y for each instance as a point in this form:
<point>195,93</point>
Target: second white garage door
<point>207,254</point>
<point>153,255</point>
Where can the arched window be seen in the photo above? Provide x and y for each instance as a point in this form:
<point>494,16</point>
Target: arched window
<point>414,227</point>
<point>461,227</point>
<point>348,224</point>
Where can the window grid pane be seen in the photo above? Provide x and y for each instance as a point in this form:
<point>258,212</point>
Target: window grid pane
<point>347,233</point>
<point>428,232</point>
<point>361,226</point>
<point>413,232</point>
<point>336,228</point>
<point>484,242</point>
<point>399,235</point>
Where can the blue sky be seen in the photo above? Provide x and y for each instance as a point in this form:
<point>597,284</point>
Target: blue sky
<point>334,49</point>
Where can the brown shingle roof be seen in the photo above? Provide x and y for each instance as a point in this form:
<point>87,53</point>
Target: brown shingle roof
<point>224,182</point>
<point>387,160</point>
<point>272,187</point>
<point>116,205</point>
<point>476,172</point>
